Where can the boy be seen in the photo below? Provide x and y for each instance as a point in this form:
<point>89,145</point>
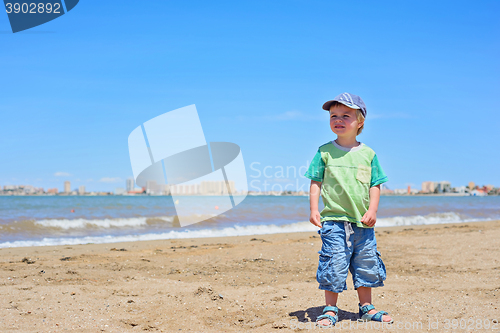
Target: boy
<point>348,175</point>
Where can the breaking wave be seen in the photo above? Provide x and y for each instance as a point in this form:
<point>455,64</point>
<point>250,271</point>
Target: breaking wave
<point>217,230</point>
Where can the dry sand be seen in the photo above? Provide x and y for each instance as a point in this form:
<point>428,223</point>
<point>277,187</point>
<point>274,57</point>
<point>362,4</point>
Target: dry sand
<point>257,283</point>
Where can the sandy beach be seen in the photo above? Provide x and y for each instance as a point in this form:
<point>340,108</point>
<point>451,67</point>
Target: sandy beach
<point>438,276</point>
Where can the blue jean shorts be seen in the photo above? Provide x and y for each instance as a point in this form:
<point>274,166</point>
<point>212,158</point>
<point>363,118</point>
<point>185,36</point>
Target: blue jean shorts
<point>361,258</point>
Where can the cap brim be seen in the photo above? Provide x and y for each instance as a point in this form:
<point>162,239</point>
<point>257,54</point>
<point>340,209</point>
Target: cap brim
<point>327,105</point>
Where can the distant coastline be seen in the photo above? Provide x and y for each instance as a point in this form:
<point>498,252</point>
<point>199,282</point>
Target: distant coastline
<point>215,188</point>
<point>305,194</point>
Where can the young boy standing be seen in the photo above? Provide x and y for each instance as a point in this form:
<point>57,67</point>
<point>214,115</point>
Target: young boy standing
<point>348,176</point>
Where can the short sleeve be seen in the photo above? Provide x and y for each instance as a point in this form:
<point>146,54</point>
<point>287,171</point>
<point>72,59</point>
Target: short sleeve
<point>316,168</point>
<point>378,175</point>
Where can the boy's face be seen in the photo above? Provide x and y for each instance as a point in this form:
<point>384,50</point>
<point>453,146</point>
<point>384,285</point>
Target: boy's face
<point>343,121</point>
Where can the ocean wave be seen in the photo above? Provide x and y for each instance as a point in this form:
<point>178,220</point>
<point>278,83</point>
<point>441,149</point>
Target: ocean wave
<point>174,234</point>
<point>215,230</point>
<point>86,224</point>
<point>83,224</point>
<point>435,218</point>
<point>106,223</point>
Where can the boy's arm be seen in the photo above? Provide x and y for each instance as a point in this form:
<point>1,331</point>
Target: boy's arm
<point>314,192</point>
<point>370,217</point>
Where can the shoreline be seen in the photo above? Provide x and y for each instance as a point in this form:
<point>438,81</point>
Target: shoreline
<point>244,237</point>
<point>150,237</point>
<point>257,283</point>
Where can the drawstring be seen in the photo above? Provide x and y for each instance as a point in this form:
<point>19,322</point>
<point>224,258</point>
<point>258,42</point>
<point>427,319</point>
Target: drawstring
<point>348,232</point>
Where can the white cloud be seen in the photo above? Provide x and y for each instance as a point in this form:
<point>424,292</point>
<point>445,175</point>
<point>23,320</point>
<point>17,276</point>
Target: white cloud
<point>62,174</point>
<point>110,180</point>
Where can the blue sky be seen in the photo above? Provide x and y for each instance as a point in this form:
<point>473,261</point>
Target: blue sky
<point>73,89</point>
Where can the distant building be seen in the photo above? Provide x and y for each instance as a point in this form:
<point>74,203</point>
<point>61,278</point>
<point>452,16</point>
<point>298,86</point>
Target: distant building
<point>151,187</point>
<point>53,190</point>
<point>216,187</point>
<point>385,190</point>
<point>443,187</point>
<point>136,190</point>
<point>203,188</point>
<point>130,184</point>
<point>178,189</point>
<point>28,189</point>
<point>472,186</point>
<point>460,190</point>
<point>67,186</point>
<point>81,190</point>
<point>211,188</point>
<point>479,193</point>
<point>165,190</point>
<point>428,187</point>
<point>119,190</point>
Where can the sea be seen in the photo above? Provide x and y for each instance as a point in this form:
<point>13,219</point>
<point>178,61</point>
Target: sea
<point>67,220</point>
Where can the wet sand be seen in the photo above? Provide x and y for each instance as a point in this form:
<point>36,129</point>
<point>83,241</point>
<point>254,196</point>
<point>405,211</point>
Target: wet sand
<point>437,276</point>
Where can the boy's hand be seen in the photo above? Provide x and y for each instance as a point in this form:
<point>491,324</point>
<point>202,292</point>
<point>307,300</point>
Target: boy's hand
<point>315,218</point>
<point>370,218</point>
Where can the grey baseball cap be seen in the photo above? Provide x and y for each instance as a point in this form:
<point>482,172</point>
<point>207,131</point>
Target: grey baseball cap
<point>349,100</point>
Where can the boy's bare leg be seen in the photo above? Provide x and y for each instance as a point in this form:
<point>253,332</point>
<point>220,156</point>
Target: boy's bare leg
<point>365,298</point>
<point>330,300</point>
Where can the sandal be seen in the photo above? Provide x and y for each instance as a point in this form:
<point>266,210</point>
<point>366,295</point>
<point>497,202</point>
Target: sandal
<point>364,316</point>
<point>333,319</point>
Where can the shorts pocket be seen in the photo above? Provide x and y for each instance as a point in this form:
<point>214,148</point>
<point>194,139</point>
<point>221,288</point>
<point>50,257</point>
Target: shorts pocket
<point>325,230</point>
<point>381,268</point>
<point>332,238</point>
<point>364,173</point>
<point>324,273</point>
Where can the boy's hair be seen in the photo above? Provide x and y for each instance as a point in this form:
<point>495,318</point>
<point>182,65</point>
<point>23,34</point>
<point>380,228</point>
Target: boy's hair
<point>359,116</point>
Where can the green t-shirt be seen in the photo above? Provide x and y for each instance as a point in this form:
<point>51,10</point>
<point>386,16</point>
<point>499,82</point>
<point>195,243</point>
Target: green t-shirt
<point>346,175</point>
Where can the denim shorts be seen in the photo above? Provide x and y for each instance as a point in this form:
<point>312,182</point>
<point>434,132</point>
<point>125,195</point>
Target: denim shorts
<point>361,258</point>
